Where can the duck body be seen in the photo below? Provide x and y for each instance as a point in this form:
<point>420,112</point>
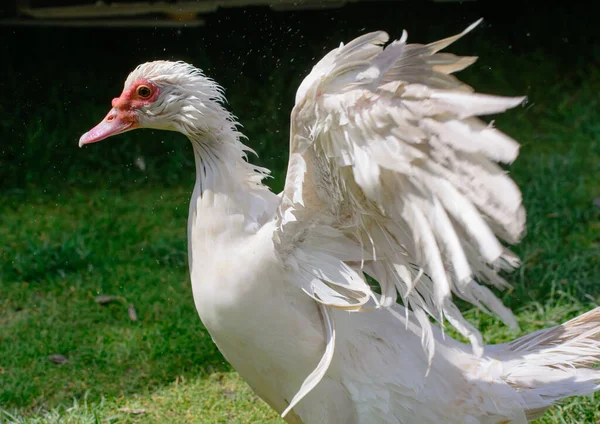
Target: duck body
<point>274,335</point>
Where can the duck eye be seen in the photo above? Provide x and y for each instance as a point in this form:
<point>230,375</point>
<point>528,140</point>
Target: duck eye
<point>144,91</point>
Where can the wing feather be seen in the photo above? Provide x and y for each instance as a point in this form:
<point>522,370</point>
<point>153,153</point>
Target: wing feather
<point>393,175</point>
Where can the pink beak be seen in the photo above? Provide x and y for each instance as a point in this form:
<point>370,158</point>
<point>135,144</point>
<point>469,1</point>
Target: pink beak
<point>112,124</point>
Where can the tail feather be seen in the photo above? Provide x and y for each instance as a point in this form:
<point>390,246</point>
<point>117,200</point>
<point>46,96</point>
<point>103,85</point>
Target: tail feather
<point>559,362</point>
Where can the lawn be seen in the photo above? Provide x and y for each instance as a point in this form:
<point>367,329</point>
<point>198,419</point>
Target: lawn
<point>97,321</point>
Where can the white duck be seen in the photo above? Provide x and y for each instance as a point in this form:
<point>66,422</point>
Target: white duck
<point>391,175</point>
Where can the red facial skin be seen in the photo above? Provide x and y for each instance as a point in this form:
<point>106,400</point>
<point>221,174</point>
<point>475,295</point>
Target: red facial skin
<point>130,100</point>
<point>123,116</point>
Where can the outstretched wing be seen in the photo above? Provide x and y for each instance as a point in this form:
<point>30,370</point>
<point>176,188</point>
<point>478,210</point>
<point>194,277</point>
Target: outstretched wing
<point>392,174</point>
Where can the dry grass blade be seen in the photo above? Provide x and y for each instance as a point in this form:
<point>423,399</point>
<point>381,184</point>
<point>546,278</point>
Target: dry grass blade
<point>58,359</point>
<point>132,313</point>
<point>132,411</point>
<point>105,300</point>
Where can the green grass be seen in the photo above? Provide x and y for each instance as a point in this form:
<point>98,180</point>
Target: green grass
<point>221,397</point>
<point>79,223</point>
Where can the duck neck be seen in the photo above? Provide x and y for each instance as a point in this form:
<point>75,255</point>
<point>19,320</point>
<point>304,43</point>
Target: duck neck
<point>228,187</point>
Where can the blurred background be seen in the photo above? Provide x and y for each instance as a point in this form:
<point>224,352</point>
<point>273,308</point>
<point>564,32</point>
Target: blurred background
<point>97,321</point>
